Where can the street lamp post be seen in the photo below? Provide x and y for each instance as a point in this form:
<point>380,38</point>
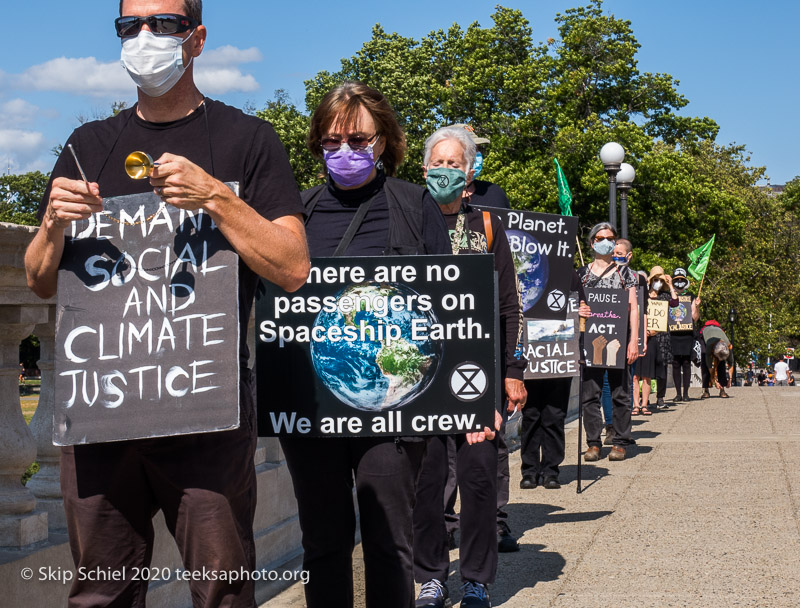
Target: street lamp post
<point>612,155</point>
<point>732,319</point>
<point>624,179</point>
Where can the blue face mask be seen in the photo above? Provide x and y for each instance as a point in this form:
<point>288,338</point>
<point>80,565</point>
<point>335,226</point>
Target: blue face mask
<point>621,260</point>
<point>477,165</point>
<point>603,247</point>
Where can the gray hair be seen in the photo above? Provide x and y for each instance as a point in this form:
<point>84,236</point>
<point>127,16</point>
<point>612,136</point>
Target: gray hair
<point>459,134</point>
<point>721,350</point>
<point>192,9</point>
<point>597,228</point>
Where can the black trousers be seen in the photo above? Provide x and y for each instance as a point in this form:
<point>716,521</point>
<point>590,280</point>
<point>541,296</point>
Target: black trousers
<point>682,373</point>
<point>384,472</point>
<point>204,483</point>
<point>619,381</point>
<point>476,473</point>
<point>542,429</point>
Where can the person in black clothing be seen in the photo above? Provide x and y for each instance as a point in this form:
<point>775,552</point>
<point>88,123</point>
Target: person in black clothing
<point>204,483</point>
<point>449,155</point>
<point>660,345</point>
<point>542,429</point>
<point>603,272</point>
<point>355,132</point>
<point>683,341</point>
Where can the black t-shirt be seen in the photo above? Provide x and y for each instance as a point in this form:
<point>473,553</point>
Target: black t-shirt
<point>507,287</point>
<point>335,208</point>
<point>228,144</point>
<point>487,194</point>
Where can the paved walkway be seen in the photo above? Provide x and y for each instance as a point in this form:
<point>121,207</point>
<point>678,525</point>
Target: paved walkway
<point>705,512</point>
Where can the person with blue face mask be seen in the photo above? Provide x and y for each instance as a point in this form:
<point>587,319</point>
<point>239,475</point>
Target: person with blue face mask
<point>448,162</point>
<point>604,272</point>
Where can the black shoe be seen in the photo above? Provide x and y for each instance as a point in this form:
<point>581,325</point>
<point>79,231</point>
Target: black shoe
<point>505,542</point>
<point>551,483</point>
<point>660,403</point>
<point>528,482</point>
<point>678,398</point>
<point>476,595</point>
<point>433,594</point>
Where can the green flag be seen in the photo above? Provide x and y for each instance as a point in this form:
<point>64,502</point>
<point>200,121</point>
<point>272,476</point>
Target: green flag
<point>564,195</point>
<point>699,258</point>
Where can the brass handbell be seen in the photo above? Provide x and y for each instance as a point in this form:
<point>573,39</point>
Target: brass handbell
<point>139,165</point>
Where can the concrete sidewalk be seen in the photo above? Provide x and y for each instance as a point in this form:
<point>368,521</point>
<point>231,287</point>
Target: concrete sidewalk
<point>703,513</point>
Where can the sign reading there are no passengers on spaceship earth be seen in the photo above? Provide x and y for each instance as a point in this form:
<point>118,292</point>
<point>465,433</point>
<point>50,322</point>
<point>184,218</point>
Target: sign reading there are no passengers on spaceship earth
<point>371,346</point>
<point>543,246</point>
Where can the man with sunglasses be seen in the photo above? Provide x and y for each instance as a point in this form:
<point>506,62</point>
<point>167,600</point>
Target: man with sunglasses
<point>204,483</point>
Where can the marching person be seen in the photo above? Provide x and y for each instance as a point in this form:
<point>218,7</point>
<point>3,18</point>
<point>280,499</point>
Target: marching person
<point>361,210</point>
<point>604,272</point>
<point>112,490</point>
<point>449,157</point>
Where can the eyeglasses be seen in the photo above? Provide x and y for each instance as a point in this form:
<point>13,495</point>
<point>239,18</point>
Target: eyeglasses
<point>164,24</point>
<point>358,143</point>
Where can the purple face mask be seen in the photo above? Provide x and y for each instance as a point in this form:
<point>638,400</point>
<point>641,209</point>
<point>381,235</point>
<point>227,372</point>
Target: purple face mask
<point>350,167</point>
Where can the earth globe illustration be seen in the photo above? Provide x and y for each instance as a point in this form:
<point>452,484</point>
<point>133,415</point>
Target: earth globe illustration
<point>678,313</point>
<point>533,268</point>
<point>382,371</point>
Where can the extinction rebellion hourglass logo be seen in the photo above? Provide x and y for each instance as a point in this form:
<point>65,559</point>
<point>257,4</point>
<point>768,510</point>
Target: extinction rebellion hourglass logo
<point>468,381</point>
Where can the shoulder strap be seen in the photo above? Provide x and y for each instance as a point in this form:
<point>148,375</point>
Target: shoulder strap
<point>405,210</point>
<point>310,199</point>
<point>355,223</point>
<point>487,226</point>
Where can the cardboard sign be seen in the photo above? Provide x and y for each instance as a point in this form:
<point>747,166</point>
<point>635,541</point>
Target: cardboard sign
<point>606,337</point>
<point>543,247</point>
<point>657,314</point>
<point>552,347</point>
<point>680,316</point>
<point>371,346</point>
<point>147,330</point>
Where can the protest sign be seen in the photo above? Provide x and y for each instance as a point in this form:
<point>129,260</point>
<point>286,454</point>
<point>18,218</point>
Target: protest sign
<point>147,331</point>
<point>606,337</point>
<point>657,313</point>
<point>680,316</point>
<point>552,347</point>
<point>641,295</point>
<point>543,246</point>
<point>370,346</point>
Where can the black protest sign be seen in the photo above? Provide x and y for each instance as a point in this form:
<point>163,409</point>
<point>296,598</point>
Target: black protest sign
<point>680,316</point>
<point>641,295</point>
<point>551,347</point>
<point>657,314</point>
<point>371,346</point>
<point>543,246</point>
<point>147,328</point>
<point>606,337</point>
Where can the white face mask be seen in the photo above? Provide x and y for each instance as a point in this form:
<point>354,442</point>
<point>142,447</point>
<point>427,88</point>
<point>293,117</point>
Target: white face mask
<point>657,285</point>
<point>155,63</point>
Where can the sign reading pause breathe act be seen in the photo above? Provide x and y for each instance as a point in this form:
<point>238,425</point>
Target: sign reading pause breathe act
<point>606,336</point>
<point>147,327</point>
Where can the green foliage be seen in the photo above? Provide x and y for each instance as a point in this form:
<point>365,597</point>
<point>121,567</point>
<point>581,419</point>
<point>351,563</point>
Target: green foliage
<point>20,196</point>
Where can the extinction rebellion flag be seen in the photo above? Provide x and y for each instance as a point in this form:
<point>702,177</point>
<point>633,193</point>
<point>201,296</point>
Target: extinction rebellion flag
<point>700,258</point>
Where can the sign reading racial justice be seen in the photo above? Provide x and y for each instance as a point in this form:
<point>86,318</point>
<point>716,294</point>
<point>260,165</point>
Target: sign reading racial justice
<point>371,346</point>
<point>147,325</point>
<point>550,347</point>
<point>543,246</point>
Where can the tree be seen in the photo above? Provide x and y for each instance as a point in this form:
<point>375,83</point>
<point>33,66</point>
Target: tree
<point>20,196</point>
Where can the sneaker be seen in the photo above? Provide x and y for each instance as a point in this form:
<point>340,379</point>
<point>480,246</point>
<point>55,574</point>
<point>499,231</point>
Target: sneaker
<point>505,542</point>
<point>617,453</point>
<point>609,440</point>
<point>433,594</point>
<point>476,595</point>
<point>660,403</point>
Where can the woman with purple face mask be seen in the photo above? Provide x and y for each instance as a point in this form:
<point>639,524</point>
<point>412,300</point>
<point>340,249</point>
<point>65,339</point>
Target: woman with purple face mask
<point>360,210</point>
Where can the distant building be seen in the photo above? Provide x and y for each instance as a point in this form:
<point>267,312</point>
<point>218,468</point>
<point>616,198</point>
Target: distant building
<point>773,189</point>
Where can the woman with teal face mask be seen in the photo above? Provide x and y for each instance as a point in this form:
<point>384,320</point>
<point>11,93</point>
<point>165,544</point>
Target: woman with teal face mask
<point>448,166</point>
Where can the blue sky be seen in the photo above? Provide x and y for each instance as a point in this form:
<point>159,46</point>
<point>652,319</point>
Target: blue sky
<point>736,63</point>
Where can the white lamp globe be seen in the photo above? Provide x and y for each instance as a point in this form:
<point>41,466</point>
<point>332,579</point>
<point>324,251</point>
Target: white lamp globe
<point>612,153</point>
<point>626,174</point>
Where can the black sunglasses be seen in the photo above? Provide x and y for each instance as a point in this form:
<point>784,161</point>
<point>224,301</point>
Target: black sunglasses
<point>164,24</point>
<point>355,142</point>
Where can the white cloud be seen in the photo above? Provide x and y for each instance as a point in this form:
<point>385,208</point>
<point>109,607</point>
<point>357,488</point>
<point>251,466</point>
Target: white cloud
<point>216,73</point>
<point>24,151</point>
<point>17,112</point>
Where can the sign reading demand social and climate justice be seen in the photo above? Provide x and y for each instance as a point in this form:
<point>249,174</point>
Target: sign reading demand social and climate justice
<point>551,347</point>
<point>543,246</point>
<point>606,335</point>
<point>147,326</point>
<point>371,346</point>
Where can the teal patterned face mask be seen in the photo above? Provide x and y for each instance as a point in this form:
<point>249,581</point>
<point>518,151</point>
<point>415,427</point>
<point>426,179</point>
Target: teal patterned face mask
<point>446,185</point>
